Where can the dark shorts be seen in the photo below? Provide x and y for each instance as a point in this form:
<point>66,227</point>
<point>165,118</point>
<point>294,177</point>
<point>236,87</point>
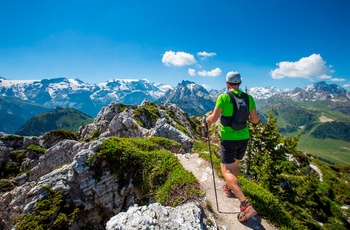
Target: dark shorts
<point>232,150</point>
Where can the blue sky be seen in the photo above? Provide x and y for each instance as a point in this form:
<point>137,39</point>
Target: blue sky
<point>287,44</point>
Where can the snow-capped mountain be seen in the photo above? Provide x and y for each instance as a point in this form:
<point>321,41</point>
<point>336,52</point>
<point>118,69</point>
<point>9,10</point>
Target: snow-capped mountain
<point>264,92</point>
<point>74,93</point>
<point>258,93</point>
<point>319,91</point>
<point>124,90</point>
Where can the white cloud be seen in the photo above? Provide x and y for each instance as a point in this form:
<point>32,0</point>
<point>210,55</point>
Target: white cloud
<point>207,87</point>
<point>346,85</point>
<point>191,72</point>
<point>178,58</point>
<point>213,73</point>
<point>204,54</point>
<point>325,77</point>
<point>338,79</point>
<point>306,67</point>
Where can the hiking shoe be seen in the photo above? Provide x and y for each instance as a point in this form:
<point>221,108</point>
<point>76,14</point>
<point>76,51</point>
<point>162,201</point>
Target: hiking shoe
<point>227,191</point>
<point>247,211</point>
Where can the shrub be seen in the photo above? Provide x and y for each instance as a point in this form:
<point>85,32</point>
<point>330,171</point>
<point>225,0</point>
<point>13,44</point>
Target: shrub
<point>180,187</point>
<point>93,136</point>
<point>155,170</point>
<point>64,134</point>
<point>18,155</point>
<point>122,107</point>
<point>13,137</point>
<point>6,185</point>
<point>35,148</point>
<point>268,205</point>
<point>11,168</point>
<point>52,212</point>
<point>147,115</point>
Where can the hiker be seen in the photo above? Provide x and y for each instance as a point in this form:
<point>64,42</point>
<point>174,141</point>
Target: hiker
<point>234,141</point>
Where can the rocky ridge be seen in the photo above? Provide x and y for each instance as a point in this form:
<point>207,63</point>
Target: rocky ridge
<point>120,120</point>
<point>64,167</point>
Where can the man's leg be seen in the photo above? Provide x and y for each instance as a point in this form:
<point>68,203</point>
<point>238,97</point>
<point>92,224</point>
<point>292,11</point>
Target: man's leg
<point>235,168</point>
<point>230,173</point>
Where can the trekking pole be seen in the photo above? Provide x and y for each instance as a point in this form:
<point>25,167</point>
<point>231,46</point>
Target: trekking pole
<point>211,160</point>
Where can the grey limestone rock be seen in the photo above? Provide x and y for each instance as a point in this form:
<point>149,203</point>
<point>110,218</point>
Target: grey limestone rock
<point>156,216</point>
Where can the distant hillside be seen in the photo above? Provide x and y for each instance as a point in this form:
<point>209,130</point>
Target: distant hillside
<point>60,118</point>
<point>15,112</point>
<point>333,130</point>
<point>323,125</point>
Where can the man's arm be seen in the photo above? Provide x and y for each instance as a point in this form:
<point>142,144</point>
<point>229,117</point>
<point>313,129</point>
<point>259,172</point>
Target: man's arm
<point>253,116</point>
<point>214,116</point>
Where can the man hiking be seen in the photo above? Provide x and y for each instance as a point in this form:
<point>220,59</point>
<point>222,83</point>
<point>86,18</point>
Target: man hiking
<point>234,136</point>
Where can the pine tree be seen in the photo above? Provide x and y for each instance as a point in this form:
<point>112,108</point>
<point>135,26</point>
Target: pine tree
<point>275,163</point>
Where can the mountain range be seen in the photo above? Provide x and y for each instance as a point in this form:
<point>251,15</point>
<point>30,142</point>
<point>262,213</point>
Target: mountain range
<point>74,93</point>
<point>20,100</point>
<point>90,98</point>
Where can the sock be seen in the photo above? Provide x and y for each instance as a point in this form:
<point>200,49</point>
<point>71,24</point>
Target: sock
<point>243,203</point>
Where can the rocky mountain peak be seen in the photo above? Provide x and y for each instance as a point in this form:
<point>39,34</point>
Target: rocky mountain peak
<point>319,91</point>
<point>194,99</point>
<point>324,87</point>
<point>145,120</point>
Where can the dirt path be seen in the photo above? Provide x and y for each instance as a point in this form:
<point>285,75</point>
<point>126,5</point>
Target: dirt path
<point>226,219</point>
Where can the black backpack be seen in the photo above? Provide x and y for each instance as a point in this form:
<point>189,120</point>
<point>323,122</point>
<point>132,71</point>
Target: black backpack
<point>241,112</point>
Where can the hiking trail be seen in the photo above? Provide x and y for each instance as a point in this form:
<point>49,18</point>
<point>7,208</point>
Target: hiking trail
<point>226,219</point>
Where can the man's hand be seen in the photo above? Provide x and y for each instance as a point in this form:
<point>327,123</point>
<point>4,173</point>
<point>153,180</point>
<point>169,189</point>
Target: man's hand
<point>214,116</point>
<point>204,119</point>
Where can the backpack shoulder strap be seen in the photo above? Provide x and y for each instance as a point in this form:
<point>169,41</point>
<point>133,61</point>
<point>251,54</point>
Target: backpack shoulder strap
<point>232,96</point>
<point>246,98</point>
<point>234,101</point>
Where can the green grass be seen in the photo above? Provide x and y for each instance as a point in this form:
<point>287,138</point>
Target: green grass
<point>335,151</point>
